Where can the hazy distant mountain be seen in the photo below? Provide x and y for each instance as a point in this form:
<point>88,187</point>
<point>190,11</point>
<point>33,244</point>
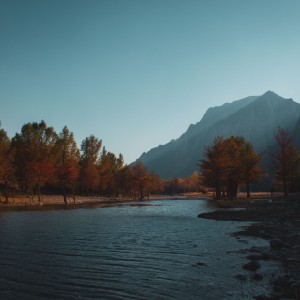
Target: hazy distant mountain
<point>255,118</point>
<point>296,134</point>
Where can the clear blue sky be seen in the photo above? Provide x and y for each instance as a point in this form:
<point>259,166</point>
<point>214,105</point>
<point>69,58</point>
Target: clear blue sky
<point>137,73</point>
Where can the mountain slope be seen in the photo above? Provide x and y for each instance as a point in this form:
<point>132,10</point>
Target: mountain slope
<point>296,134</point>
<point>254,118</point>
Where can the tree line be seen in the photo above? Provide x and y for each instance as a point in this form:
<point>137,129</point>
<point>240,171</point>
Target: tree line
<point>38,160</point>
<point>232,162</point>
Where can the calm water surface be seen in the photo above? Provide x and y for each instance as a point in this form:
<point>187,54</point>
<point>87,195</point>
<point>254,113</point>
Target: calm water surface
<point>160,251</point>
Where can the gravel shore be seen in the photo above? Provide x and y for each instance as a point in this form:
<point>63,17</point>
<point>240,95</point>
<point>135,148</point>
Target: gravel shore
<point>277,221</point>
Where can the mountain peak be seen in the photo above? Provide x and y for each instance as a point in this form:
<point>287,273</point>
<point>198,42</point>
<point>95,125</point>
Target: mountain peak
<point>270,95</point>
<point>254,117</point>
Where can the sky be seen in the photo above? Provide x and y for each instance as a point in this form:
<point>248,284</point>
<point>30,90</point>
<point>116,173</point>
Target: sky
<point>137,73</point>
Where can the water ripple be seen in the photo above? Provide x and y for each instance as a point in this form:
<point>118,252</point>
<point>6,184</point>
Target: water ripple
<point>148,252</point>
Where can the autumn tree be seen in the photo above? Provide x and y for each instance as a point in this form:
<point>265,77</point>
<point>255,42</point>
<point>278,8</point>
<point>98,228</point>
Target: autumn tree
<point>35,155</point>
<point>251,171</point>
<point>68,158</point>
<point>127,181</point>
<point>154,185</point>
<point>193,182</point>
<point>228,163</point>
<point>233,147</point>
<point>285,161</point>
<point>89,162</point>
<point>244,166</point>
<point>215,166</point>
<point>7,169</point>
<point>110,167</point>
<point>116,169</point>
<point>141,177</point>
<point>106,170</point>
<point>176,185</point>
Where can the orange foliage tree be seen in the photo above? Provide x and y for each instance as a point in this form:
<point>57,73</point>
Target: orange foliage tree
<point>67,167</point>
<point>89,163</point>
<point>286,162</point>
<point>35,155</point>
<point>110,167</point>
<point>228,163</point>
<point>7,169</point>
<point>215,166</point>
<point>141,178</point>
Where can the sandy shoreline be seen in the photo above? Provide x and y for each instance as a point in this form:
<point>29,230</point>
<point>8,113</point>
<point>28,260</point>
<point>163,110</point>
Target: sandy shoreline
<point>31,203</point>
<point>57,202</point>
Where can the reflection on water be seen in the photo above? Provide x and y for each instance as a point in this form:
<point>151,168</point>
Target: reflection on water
<point>160,251</point>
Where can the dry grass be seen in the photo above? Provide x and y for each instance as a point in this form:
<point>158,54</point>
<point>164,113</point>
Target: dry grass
<point>52,199</point>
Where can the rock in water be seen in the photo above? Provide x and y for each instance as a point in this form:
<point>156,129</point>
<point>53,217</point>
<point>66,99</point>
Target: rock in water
<point>257,277</point>
<point>252,265</point>
<point>241,277</point>
<point>276,243</point>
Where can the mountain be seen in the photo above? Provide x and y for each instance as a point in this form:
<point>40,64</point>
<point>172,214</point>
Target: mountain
<point>256,118</point>
<point>296,134</point>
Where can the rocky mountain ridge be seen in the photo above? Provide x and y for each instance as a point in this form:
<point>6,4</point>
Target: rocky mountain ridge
<point>256,118</point>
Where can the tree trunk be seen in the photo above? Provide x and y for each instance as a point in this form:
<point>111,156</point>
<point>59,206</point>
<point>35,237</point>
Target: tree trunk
<point>285,190</point>
<point>284,173</point>
<point>218,192</point>
<point>141,192</point>
<point>39,191</point>
<point>65,193</point>
<point>6,192</point>
<point>248,188</point>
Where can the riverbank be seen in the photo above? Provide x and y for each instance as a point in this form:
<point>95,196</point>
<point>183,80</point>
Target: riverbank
<point>278,221</point>
<point>54,202</point>
<point>57,203</point>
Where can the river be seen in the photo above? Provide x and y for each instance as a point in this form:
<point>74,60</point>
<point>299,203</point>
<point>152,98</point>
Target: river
<point>159,250</point>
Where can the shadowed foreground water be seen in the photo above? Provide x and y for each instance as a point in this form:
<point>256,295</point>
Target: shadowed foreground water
<point>160,251</point>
